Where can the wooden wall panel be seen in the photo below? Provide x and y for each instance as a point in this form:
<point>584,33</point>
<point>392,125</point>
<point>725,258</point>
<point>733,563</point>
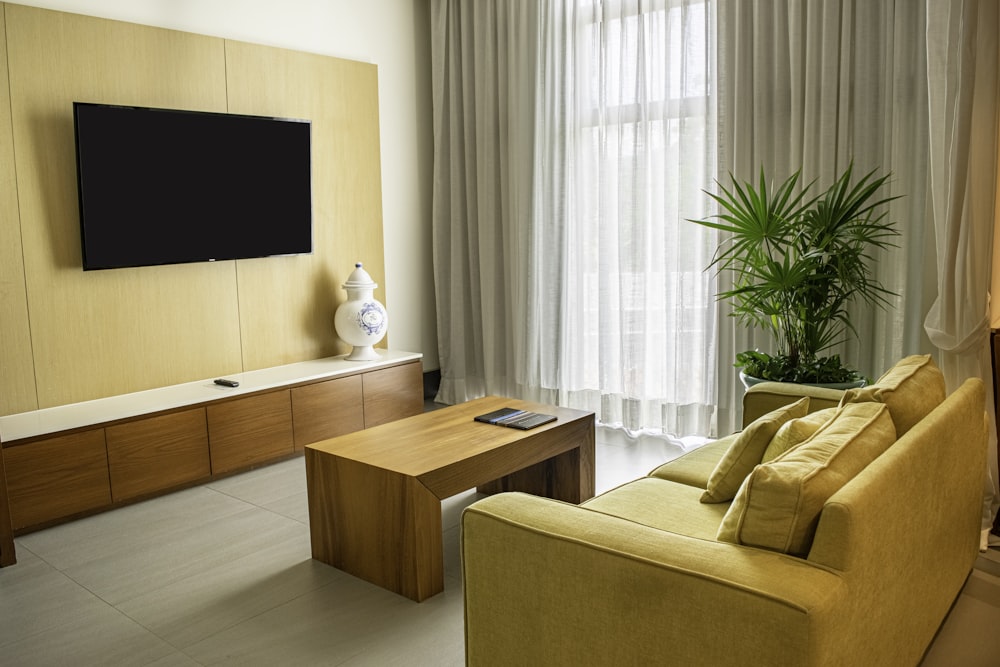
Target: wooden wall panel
<point>102,333</point>
<point>69,335</point>
<point>17,393</point>
<point>287,305</point>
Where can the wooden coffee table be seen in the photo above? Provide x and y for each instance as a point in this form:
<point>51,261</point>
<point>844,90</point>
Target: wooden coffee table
<point>375,495</point>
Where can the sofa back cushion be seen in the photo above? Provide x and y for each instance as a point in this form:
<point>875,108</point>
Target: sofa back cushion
<point>779,503</point>
<point>796,431</point>
<point>911,389</point>
<point>745,452</point>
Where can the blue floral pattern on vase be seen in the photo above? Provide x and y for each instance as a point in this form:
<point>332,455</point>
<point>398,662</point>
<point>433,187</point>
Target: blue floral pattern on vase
<point>371,318</point>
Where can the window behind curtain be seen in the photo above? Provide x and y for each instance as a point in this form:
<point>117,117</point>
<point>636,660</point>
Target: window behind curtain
<point>639,321</point>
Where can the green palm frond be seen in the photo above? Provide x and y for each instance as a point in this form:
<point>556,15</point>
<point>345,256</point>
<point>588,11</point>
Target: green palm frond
<point>798,262</point>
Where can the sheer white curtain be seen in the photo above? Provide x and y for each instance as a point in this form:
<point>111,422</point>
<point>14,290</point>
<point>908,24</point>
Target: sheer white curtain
<point>626,131</point>
<point>814,86</point>
<point>962,77</point>
<point>572,139</point>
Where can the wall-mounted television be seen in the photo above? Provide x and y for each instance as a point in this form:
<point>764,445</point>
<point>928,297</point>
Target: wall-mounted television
<point>168,186</point>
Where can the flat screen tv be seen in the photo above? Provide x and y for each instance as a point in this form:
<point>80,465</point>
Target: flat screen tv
<point>166,186</point>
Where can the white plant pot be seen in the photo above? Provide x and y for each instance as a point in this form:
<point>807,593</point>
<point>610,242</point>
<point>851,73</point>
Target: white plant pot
<point>749,381</point>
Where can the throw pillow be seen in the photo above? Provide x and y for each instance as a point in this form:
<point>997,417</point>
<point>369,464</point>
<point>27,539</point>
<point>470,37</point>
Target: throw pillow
<point>796,431</point>
<point>746,450</point>
<point>911,389</point>
<point>779,504</point>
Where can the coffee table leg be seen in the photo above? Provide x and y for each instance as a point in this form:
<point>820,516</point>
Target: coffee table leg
<point>380,526</point>
<point>569,476</point>
<point>572,474</point>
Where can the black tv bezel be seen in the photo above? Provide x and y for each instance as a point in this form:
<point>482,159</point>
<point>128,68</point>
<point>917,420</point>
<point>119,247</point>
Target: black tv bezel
<point>228,256</point>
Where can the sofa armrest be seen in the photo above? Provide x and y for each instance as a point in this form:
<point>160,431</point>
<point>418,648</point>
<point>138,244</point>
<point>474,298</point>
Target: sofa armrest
<point>766,396</point>
<point>547,582</point>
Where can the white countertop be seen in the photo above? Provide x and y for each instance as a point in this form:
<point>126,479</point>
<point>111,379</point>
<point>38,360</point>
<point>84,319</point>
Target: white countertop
<point>112,408</point>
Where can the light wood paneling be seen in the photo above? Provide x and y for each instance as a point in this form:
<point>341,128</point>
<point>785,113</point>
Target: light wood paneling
<point>102,333</point>
<point>57,477</point>
<point>280,299</point>
<point>17,391</point>
<point>326,410</point>
<point>250,430</point>
<point>156,453</point>
<point>393,393</point>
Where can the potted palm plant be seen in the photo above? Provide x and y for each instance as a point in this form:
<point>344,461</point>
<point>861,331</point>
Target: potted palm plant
<point>797,263</point>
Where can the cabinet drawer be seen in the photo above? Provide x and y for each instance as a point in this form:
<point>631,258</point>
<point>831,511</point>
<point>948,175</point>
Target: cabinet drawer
<point>157,453</point>
<point>393,393</point>
<point>250,430</point>
<point>326,410</point>
<point>57,477</point>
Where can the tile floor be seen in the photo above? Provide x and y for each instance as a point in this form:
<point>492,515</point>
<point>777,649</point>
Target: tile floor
<point>221,575</point>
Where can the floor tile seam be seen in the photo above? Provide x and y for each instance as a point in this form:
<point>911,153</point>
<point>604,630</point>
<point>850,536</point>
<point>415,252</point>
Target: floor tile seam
<point>287,516</point>
<point>185,647</point>
<point>249,619</point>
<point>20,548</point>
<point>171,582</point>
<point>113,605</point>
<point>44,630</point>
<point>234,564</point>
<point>166,533</point>
<point>984,588</point>
<point>98,598</point>
<point>179,649</point>
<point>991,572</point>
<point>251,503</point>
<point>62,571</point>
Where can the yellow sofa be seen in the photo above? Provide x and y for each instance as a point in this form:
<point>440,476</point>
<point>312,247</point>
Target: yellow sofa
<point>659,572</point>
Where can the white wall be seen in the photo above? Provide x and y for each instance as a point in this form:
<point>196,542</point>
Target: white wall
<point>392,34</point>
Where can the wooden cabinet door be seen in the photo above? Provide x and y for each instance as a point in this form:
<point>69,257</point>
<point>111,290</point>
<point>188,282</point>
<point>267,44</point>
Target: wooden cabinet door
<point>327,409</point>
<point>57,477</point>
<point>393,393</point>
<point>7,553</point>
<point>250,430</point>
<point>157,453</point>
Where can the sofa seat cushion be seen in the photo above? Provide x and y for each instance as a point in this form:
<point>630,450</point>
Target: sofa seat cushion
<point>664,505</point>
<point>911,389</point>
<point>779,504</point>
<point>695,467</point>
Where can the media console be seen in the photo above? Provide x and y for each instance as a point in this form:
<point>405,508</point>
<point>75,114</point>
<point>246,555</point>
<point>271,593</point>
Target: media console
<point>72,460</point>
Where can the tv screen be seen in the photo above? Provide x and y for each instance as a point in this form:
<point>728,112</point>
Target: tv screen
<point>164,186</point>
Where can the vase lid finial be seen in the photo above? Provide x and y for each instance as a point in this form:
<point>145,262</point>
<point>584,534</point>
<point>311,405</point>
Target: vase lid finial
<point>359,278</point>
